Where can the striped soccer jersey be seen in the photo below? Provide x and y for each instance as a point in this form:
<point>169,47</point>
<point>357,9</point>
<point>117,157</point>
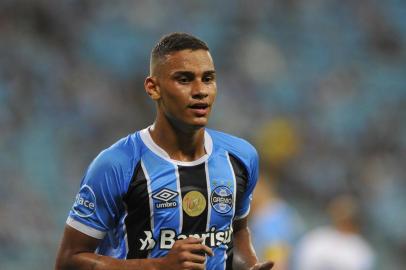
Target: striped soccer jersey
<point>139,201</point>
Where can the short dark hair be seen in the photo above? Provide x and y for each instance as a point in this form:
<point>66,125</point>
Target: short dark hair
<point>174,42</point>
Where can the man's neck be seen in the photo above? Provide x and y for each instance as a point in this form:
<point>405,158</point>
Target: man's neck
<point>179,144</point>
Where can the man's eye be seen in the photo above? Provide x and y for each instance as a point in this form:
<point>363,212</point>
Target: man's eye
<point>208,79</point>
<point>182,79</point>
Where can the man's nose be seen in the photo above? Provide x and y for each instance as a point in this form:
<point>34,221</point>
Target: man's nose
<point>199,90</point>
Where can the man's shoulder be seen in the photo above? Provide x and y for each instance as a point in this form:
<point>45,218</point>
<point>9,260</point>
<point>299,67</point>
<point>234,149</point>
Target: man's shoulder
<point>124,152</point>
<point>233,144</point>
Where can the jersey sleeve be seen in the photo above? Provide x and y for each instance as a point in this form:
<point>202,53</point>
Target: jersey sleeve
<point>252,169</point>
<point>98,203</point>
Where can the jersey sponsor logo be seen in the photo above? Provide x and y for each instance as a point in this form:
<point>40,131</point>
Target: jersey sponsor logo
<point>85,202</point>
<point>167,237</point>
<point>194,203</point>
<point>165,196</point>
<point>221,199</point>
<point>148,242</point>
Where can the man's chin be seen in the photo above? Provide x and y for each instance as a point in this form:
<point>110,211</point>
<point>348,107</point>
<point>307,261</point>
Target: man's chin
<point>195,126</point>
<point>200,123</point>
<point>196,122</point>
<point>190,124</point>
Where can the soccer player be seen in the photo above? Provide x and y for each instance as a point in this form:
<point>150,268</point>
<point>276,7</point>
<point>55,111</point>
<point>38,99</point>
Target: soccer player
<point>174,195</point>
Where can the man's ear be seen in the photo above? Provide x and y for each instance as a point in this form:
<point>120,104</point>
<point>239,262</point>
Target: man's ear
<point>152,88</point>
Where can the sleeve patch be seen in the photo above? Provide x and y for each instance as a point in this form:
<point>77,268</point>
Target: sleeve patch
<point>85,202</point>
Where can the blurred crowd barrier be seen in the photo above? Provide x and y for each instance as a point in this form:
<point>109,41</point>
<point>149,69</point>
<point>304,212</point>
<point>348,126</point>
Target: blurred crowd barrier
<point>318,86</point>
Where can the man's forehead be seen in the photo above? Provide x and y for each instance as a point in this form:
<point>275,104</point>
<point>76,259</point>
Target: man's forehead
<point>188,59</point>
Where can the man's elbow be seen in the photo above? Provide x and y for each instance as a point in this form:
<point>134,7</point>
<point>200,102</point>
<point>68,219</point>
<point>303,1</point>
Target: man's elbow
<point>65,262</point>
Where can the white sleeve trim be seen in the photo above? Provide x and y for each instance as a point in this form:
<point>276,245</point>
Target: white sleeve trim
<point>244,215</point>
<point>85,229</point>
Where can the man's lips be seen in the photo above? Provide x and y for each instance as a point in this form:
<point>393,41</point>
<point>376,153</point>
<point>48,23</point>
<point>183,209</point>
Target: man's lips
<point>200,109</point>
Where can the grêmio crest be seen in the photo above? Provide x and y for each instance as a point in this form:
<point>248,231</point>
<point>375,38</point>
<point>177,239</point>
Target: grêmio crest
<point>221,199</point>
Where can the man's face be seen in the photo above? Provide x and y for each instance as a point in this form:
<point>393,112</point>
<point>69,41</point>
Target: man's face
<point>186,82</point>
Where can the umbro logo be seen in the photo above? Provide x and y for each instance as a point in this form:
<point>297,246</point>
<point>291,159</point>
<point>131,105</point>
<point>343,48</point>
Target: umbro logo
<point>165,196</point>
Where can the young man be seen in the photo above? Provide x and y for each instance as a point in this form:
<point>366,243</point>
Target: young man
<point>174,195</point>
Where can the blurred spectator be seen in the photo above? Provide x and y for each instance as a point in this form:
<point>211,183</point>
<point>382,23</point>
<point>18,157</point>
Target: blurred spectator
<point>339,246</point>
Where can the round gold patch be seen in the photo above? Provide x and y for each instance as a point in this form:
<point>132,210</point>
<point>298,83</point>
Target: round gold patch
<point>194,203</point>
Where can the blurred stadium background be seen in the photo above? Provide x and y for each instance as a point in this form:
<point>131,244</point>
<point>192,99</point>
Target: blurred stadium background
<point>318,86</point>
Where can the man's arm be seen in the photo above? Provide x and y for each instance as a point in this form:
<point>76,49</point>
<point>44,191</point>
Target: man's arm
<point>77,252</point>
<point>244,257</point>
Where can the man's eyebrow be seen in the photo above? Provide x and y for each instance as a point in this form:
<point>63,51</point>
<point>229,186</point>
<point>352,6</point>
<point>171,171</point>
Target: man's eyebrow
<point>190,73</point>
<point>209,72</point>
<point>183,72</point>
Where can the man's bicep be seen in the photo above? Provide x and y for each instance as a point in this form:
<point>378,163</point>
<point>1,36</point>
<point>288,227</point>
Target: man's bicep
<point>239,224</point>
<point>77,242</point>
<point>73,244</point>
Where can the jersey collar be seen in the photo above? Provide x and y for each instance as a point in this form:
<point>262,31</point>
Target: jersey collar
<point>147,139</point>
